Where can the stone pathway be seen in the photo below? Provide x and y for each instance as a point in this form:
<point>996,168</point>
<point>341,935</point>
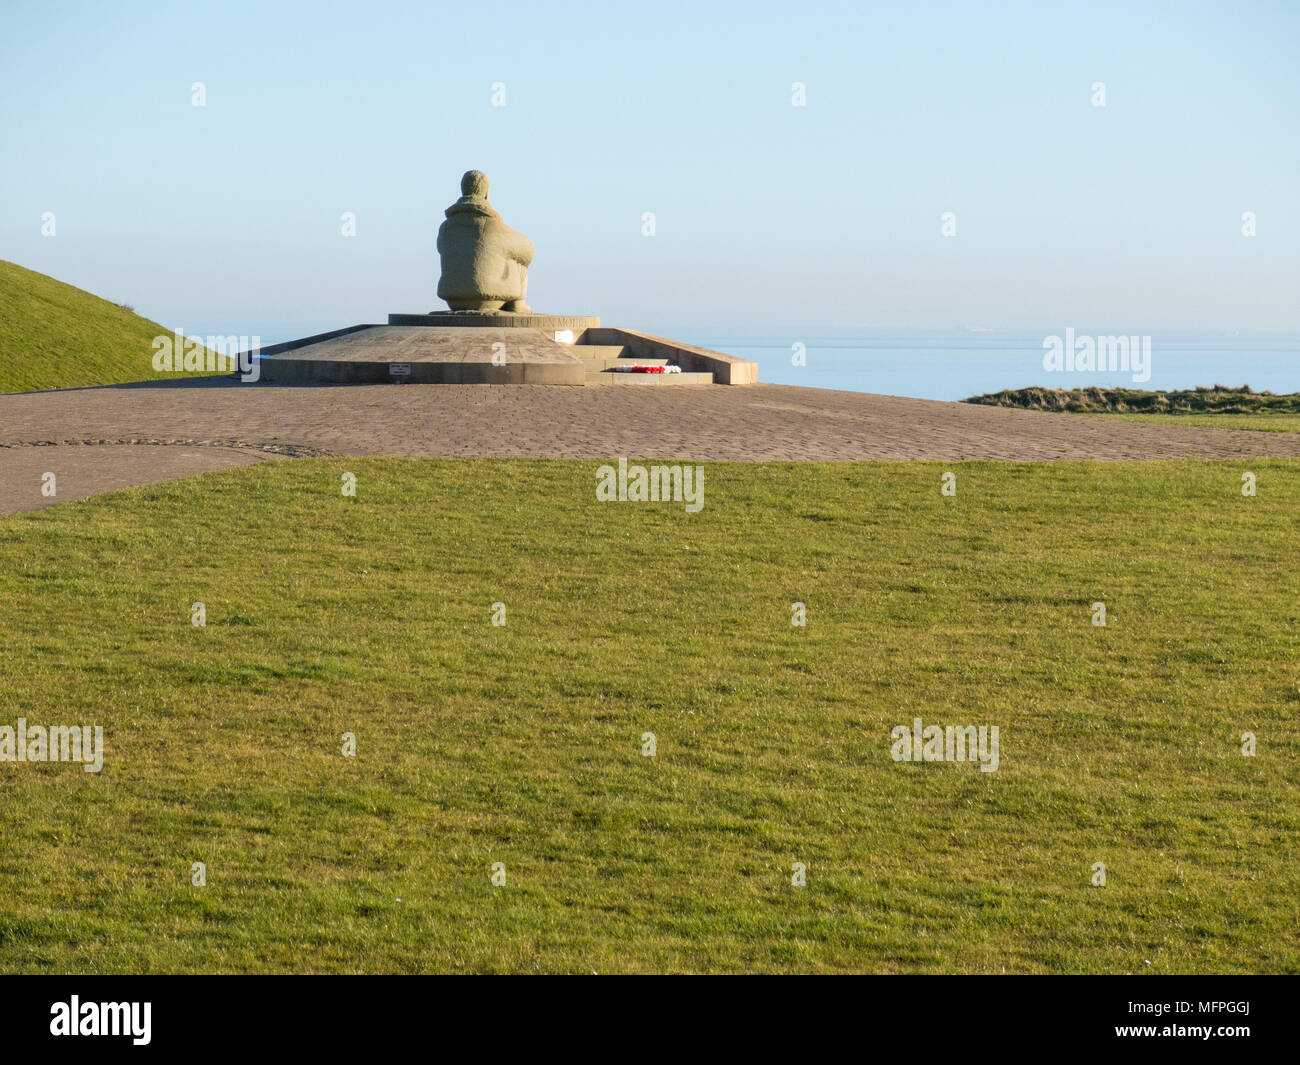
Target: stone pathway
<point>83,470</point>
<point>92,437</point>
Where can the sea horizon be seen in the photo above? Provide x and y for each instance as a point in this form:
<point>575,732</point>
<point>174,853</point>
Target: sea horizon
<point>955,364</point>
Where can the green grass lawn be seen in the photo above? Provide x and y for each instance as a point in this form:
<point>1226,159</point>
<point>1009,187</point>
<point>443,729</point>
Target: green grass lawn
<point>1262,422</point>
<point>522,744</point>
<point>54,335</point>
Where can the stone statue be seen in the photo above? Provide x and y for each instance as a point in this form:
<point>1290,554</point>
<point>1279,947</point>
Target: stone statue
<point>484,261</point>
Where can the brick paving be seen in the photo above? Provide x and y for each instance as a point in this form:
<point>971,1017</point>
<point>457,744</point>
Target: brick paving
<point>98,439</point>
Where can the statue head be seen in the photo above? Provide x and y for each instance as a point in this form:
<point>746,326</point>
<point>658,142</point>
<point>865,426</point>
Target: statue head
<point>474,184</point>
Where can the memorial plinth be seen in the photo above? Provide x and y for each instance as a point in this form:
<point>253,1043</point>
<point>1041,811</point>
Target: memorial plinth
<point>453,354</point>
<point>452,349</point>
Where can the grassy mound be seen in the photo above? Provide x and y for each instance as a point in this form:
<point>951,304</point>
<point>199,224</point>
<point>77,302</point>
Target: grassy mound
<point>1219,399</point>
<point>53,335</point>
<point>522,744</point>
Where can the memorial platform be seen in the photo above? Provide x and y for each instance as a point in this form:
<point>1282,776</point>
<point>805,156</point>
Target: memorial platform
<point>473,347</point>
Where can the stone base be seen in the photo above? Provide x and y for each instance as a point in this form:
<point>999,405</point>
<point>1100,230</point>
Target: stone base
<point>551,323</point>
<point>399,353</point>
<point>474,347</point>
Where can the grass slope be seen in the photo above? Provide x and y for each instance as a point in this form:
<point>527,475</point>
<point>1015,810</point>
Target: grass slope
<point>522,744</point>
<point>53,335</point>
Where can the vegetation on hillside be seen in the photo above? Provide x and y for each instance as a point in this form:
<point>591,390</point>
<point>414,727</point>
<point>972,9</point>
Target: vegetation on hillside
<point>1219,399</point>
<point>53,335</point>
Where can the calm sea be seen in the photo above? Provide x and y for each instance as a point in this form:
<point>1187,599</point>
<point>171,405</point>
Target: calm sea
<point>956,364</point>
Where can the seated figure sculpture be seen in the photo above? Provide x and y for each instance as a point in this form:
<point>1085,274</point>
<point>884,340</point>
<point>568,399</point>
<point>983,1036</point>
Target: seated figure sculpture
<point>484,261</point>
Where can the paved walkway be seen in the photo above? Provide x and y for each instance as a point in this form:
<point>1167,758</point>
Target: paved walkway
<point>99,439</point>
<point>81,471</point>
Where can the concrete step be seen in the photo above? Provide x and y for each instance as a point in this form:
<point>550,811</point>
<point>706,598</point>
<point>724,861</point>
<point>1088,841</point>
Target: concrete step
<point>606,377</point>
<point>597,351</point>
<point>605,362</point>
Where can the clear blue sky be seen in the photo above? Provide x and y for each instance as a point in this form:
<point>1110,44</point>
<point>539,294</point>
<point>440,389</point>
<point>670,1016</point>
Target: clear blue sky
<point>226,218</point>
